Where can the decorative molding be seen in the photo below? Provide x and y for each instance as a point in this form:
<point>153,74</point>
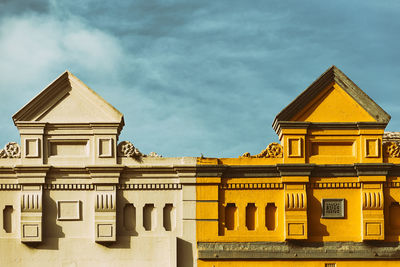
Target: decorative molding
<point>31,201</point>
<point>10,187</point>
<point>273,150</point>
<point>11,150</point>
<point>334,185</point>
<point>154,155</point>
<point>333,208</point>
<point>392,149</point>
<point>372,200</point>
<point>127,149</point>
<point>391,137</point>
<point>297,250</point>
<point>68,210</point>
<point>251,186</point>
<point>296,201</point>
<point>167,186</point>
<point>105,201</point>
<point>392,184</point>
<point>68,187</point>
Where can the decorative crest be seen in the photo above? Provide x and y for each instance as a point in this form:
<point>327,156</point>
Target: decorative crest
<point>392,149</point>
<point>273,150</point>
<point>127,149</point>
<point>10,150</point>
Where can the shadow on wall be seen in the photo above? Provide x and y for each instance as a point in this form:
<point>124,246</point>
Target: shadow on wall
<point>51,231</point>
<point>184,253</point>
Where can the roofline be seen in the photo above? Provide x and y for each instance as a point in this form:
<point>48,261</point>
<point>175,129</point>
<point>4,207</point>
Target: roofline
<point>333,74</point>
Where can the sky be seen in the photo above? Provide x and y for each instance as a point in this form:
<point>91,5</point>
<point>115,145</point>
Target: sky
<point>197,77</point>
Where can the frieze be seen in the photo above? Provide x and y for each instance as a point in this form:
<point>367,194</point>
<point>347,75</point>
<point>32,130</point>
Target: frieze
<point>251,186</point>
<point>10,187</point>
<point>273,150</point>
<point>167,186</point>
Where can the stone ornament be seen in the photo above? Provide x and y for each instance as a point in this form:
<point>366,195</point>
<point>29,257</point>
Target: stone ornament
<point>10,150</point>
<point>127,149</point>
<point>392,149</point>
<point>273,150</point>
<point>154,155</point>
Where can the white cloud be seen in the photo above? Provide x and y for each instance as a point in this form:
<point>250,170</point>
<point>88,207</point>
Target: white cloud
<point>35,49</point>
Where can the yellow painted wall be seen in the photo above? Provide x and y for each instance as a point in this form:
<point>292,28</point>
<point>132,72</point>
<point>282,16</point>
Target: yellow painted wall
<point>365,219</point>
<point>316,263</point>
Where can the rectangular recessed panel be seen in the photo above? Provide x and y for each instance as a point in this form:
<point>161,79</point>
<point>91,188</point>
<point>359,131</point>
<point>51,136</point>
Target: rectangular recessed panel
<point>105,147</point>
<point>77,148</point>
<point>295,228</point>
<point>294,147</point>
<point>332,149</point>
<point>373,229</point>
<point>333,208</point>
<point>104,230</point>
<point>30,230</point>
<point>68,210</point>
<point>372,148</point>
<point>32,148</point>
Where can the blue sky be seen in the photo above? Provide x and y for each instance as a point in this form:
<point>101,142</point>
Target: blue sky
<point>196,77</point>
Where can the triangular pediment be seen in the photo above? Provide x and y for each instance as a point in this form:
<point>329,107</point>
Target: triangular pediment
<point>68,100</point>
<point>333,104</point>
<point>332,98</point>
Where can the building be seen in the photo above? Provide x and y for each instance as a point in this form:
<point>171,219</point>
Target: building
<point>72,194</point>
<point>328,195</point>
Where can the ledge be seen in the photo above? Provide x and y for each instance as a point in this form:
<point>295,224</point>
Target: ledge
<point>298,250</point>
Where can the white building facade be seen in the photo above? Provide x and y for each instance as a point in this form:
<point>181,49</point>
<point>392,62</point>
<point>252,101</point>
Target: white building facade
<point>71,194</point>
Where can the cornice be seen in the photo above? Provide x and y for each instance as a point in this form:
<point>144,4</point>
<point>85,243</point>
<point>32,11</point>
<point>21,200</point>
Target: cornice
<point>297,250</point>
<point>279,125</point>
<point>372,169</point>
<point>210,170</point>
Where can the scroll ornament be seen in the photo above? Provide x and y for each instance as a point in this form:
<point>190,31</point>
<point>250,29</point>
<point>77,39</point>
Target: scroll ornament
<point>273,150</point>
<point>127,149</point>
<point>10,150</point>
<point>392,149</point>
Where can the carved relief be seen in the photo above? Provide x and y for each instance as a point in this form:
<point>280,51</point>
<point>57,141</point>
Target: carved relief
<point>127,149</point>
<point>105,202</point>
<point>392,149</point>
<point>372,200</point>
<point>10,150</point>
<point>273,150</point>
<point>31,201</point>
<point>295,201</point>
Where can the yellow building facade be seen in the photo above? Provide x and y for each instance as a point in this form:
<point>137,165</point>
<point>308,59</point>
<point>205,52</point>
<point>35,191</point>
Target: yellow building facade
<point>327,195</point>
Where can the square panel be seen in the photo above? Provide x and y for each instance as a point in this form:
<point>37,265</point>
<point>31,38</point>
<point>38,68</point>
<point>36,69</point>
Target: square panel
<point>373,228</point>
<point>68,210</point>
<point>30,230</point>
<point>295,148</point>
<point>104,230</point>
<point>295,229</point>
<point>333,208</point>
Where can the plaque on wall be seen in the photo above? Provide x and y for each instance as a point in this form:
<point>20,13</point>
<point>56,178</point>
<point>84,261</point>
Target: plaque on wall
<point>333,208</point>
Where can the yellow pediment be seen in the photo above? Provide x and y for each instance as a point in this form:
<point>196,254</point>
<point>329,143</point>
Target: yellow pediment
<point>331,100</point>
<point>333,104</point>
